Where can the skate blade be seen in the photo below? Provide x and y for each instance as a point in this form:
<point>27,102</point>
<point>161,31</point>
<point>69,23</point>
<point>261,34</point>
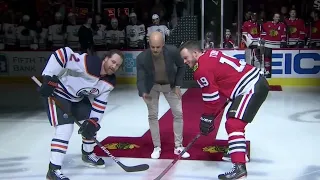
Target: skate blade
<point>94,166</point>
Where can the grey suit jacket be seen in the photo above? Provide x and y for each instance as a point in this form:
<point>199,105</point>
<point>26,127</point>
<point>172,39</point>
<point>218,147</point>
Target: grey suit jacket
<point>145,68</point>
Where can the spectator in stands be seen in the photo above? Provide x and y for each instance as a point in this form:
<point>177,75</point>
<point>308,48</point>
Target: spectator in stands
<point>9,28</point>
<point>228,42</point>
<point>295,30</point>
<point>56,33</point>
<point>24,35</point>
<point>40,37</point>
<point>313,31</point>
<point>156,26</point>
<point>284,13</point>
<point>72,32</point>
<point>115,36</point>
<point>85,34</point>
<point>135,33</point>
<point>99,31</point>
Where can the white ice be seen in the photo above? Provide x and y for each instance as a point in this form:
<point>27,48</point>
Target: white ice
<point>284,139</point>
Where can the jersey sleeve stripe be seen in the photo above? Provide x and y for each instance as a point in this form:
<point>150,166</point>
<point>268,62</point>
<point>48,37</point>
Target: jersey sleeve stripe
<point>210,96</point>
<point>98,111</point>
<point>65,56</point>
<point>101,102</point>
<point>61,56</point>
<point>98,106</point>
<point>57,58</point>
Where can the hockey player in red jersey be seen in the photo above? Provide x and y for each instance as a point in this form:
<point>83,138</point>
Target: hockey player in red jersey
<point>218,74</point>
<point>274,35</point>
<point>313,31</point>
<point>296,30</point>
<point>81,83</point>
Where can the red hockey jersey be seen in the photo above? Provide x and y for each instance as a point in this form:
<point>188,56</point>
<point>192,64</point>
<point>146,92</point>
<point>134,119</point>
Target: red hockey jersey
<point>314,36</point>
<point>252,28</point>
<point>217,73</point>
<point>296,30</point>
<point>273,34</point>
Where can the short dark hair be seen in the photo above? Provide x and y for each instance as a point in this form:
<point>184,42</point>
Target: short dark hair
<point>191,45</point>
<point>111,52</point>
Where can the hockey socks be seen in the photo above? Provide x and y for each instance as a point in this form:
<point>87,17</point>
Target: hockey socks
<point>59,143</point>
<point>236,140</point>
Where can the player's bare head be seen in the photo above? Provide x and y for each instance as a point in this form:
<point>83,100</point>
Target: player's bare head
<point>156,43</point>
<point>112,62</point>
<point>190,52</point>
<point>293,13</point>
<point>276,17</point>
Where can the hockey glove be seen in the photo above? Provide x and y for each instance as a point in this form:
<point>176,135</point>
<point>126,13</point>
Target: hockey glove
<point>49,84</point>
<point>206,124</point>
<point>89,128</point>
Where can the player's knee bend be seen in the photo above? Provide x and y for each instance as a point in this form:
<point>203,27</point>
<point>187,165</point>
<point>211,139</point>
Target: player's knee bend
<point>64,131</point>
<point>235,125</point>
<point>177,113</point>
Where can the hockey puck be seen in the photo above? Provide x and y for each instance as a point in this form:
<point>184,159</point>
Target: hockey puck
<point>65,116</point>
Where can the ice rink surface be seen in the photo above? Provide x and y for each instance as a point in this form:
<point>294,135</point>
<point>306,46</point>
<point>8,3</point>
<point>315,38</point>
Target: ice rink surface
<point>285,137</point>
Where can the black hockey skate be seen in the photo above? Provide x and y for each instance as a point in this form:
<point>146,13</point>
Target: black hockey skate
<point>92,160</point>
<point>54,173</point>
<point>239,171</point>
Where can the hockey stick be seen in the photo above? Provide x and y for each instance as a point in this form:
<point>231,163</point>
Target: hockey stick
<point>164,172</point>
<point>140,167</point>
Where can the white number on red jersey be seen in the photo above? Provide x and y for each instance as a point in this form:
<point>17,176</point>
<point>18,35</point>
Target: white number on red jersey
<point>238,68</point>
<point>203,82</point>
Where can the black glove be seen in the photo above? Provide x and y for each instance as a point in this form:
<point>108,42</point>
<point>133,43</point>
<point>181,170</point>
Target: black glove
<point>49,83</point>
<point>206,124</point>
<point>89,128</point>
<point>283,45</point>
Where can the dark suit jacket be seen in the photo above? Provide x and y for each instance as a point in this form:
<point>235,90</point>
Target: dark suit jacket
<point>145,68</point>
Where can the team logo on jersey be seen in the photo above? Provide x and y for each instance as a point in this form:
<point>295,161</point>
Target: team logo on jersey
<point>292,30</point>
<point>124,146</point>
<point>195,67</point>
<point>215,149</point>
<point>254,31</point>
<point>87,91</point>
<point>314,30</point>
<point>273,32</point>
<point>132,32</point>
<point>159,30</point>
<point>114,38</point>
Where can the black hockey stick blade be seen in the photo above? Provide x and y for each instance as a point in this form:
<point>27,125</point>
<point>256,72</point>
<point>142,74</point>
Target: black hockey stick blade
<point>137,168</point>
<point>164,172</point>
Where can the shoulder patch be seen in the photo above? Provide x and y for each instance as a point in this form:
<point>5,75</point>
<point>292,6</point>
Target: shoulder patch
<point>195,67</point>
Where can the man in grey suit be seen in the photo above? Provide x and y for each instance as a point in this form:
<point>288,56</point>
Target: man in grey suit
<point>161,69</point>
